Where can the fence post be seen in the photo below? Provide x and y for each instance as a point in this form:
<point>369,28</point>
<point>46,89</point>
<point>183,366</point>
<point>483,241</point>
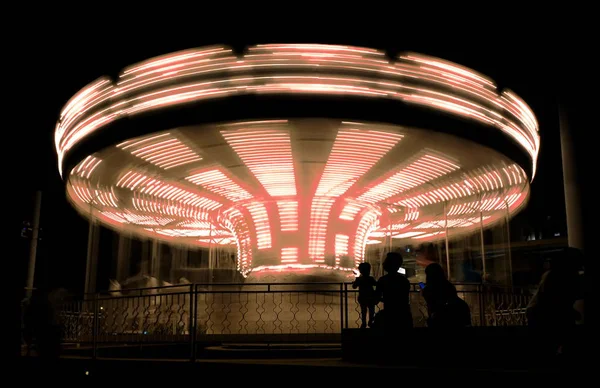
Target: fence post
<point>341,307</point>
<point>481,304</point>
<point>95,327</point>
<point>192,324</point>
<point>346,303</point>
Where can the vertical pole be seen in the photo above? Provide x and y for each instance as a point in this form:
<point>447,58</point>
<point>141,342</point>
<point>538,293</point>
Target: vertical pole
<point>510,267</point>
<point>390,235</point>
<point>210,255</point>
<point>34,242</point>
<point>192,324</point>
<point>572,170</point>
<point>123,258</point>
<point>95,326</point>
<point>341,307</point>
<point>346,303</point>
<point>446,238</point>
<point>482,244</point>
<point>90,271</point>
<point>481,290</point>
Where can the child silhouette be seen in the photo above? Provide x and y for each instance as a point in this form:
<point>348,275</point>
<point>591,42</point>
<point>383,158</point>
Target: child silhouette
<point>366,293</point>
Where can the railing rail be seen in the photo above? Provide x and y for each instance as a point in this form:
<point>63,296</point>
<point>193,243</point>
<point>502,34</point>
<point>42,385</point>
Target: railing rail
<point>191,313</point>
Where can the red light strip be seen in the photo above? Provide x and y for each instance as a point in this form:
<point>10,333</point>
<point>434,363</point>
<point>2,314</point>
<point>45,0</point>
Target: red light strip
<point>289,255</point>
<point>219,183</point>
<point>132,180</point>
<point>353,153</point>
<point>165,151</point>
<point>350,211</point>
<point>411,215</point>
<point>368,223</point>
<point>487,181</point>
<point>422,170</point>
<point>236,223</point>
<point>288,215</point>
<point>268,155</point>
<point>173,193</point>
<point>319,217</point>
<point>259,215</point>
<point>487,204</point>
<point>166,208</point>
<point>87,166</point>
<point>341,247</point>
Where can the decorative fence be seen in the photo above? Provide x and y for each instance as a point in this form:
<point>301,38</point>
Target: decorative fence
<point>201,312</point>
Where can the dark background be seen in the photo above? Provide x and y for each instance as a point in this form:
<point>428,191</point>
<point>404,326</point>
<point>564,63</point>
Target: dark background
<point>62,58</point>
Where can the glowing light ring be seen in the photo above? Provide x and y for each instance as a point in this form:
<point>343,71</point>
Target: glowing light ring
<point>262,186</point>
<point>178,205</point>
<point>215,72</point>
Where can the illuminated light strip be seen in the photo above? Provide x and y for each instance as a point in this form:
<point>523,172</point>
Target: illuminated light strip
<point>150,65</point>
<point>488,204</point>
<point>452,223</point>
<point>317,47</point>
<point>173,193</point>
<point>165,151</point>
<point>106,198</point>
<point>95,196</point>
<point>341,247</point>
<point>288,215</point>
<point>85,100</point>
<point>449,66</point>
<point>370,242</point>
<point>407,234</point>
<point>422,170</point>
<point>482,182</point>
<point>235,221</point>
<point>429,235</point>
<point>411,215</point>
<point>83,193</point>
<point>114,216</point>
<point>289,255</point>
<point>259,215</point>
<point>350,211</point>
<point>194,224</point>
<point>268,155</point>
<point>131,180</point>
<point>297,267</point>
<point>319,217</point>
<point>147,220</point>
<point>353,153</point>
<point>367,224</point>
<point>87,166</point>
<point>434,73</point>
<point>186,232</point>
<point>170,209</point>
<point>219,183</point>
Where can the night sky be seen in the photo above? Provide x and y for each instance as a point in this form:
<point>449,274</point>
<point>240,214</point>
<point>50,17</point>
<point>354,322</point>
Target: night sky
<point>58,67</point>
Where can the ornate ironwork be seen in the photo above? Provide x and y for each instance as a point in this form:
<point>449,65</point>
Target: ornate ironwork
<point>169,314</point>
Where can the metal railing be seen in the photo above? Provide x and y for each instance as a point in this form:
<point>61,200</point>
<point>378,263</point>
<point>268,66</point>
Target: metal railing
<point>213,312</point>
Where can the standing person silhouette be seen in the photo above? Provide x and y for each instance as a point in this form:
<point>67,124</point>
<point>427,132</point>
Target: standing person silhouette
<point>393,289</point>
<point>366,293</point>
<point>444,307</point>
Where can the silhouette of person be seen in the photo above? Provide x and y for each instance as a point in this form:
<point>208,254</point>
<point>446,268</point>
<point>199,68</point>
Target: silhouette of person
<point>42,322</point>
<point>444,307</point>
<point>366,293</point>
<point>393,289</point>
<point>551,309</point>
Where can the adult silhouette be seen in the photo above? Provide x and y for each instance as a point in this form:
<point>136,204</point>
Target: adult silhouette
<point>393,290</point>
